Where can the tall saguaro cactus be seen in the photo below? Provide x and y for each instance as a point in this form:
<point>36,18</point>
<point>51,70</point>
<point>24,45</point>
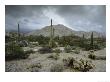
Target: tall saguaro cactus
<point>92,41</point>
<point>83,38</point>
<point>18,33</point>
<point>51,35</point>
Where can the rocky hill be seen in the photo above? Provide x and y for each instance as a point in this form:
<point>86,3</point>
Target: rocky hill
<point>61,30</point>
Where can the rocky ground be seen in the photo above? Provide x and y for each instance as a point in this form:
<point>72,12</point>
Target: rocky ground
<point>37,62</point>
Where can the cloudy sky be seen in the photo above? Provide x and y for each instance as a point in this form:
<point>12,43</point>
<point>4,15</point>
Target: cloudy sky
<point>76,17</point>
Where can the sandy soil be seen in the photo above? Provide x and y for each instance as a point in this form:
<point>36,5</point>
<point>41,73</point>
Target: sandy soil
<point>41,62</point>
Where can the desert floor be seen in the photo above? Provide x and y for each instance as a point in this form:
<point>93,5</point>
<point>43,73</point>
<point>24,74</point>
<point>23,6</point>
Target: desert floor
<point>37,62</point>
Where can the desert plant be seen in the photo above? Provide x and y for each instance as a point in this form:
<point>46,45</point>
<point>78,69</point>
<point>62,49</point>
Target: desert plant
<point>57,68</point>
<point>91,44</point>
<point>84,65</point>
<point>81,65</point>
<point>18,33</point>
<point>69,62</point>
<point>77,51</point>
<point>14,51</point>
<point>52,42</point>
<point>91,55</point>
<point>67,49</point>
<point>57,51</point>
<point>73,47</point>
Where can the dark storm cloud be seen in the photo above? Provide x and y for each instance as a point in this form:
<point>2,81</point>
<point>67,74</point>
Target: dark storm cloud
<point>77,17</point>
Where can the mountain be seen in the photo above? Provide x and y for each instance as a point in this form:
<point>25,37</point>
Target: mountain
<point>61,30</point>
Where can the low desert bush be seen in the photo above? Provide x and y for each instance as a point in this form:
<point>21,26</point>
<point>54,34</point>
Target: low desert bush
<point>57,68</point>
<point>73,47</point>
<point>91,55</point>
<point>77,51</point>
<point>69,62</point>
<point>81,65</point>
<point>84,65</point>
<point>67,49</point>
<point>57,51</point>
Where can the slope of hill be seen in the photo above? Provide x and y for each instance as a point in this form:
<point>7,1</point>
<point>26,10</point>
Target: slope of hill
<point>61,30</point>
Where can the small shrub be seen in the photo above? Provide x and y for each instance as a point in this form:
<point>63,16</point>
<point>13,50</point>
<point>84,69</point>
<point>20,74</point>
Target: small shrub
<point>81,65</point>
<point>91,55</point>
<point>57,51</point>
<point>57,68</point>
<point>45,50</point>
<point>68,49</point>
<point>76,51</point>
<point>84,65</point>
<point>69,62</point>
<point>73,47</point>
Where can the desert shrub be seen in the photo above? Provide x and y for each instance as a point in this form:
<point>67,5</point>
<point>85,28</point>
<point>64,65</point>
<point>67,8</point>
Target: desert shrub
<point>77,51</point>
<point>73,47</point>
<point>57,68</point>
<point>69,62</point>
<point>91,55</point>
<point>84,65</point>
<point>67,49</point>
<point>54,56</point>
<point>81,65</point>
<point>14,51</point>
<point>57,51</point>
<point>44,50</point>
<point>34,67</point>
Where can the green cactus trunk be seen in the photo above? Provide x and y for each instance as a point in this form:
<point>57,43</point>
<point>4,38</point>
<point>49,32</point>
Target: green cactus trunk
<point>18,33</point>
<point>51,36</point>
<point>92,41</point>
<point>83,38</point>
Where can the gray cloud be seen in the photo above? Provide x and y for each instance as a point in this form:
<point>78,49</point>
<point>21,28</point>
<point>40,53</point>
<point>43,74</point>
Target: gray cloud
<point>77,17</point>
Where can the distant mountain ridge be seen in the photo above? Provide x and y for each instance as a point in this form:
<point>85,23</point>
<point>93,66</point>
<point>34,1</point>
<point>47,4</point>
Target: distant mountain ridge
<point>61,30</point>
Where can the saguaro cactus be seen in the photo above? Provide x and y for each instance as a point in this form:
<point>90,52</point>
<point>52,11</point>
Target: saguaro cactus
<point>91,44</point>
<point>18,33</point>
<point>51,35</point>
<point>83,40</point>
